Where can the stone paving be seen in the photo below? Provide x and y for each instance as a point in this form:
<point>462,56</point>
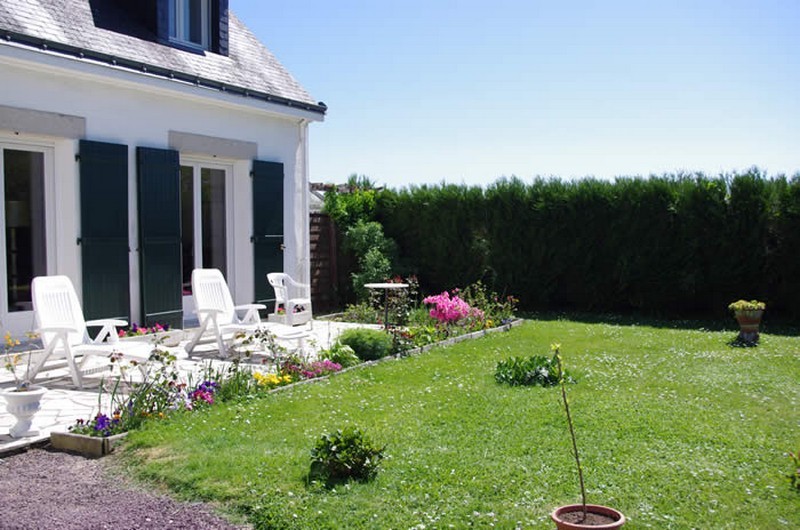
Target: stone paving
<point>63,404</point>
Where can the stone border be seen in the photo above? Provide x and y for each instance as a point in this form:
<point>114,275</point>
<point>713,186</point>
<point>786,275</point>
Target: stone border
<point>414,351</point>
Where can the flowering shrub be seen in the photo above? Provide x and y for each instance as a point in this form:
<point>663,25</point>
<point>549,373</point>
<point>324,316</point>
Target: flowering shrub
<point>447,310</point>
<point>270,381</point>
<point>100,425</point>
<point>203,395</point>
<point>312,370</point>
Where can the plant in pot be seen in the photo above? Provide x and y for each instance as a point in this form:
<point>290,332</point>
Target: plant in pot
<point>748,314</point>
<point>580,516</point>
<point>23,400</point>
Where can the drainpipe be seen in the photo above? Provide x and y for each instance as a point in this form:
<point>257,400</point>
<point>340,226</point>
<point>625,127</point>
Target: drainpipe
<point>304,264</point>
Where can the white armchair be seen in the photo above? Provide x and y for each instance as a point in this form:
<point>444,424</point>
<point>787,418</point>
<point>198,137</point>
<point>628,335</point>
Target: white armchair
<point>292,299</point>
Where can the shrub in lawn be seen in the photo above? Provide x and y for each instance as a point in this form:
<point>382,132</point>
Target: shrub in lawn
<point>535,370</point>
<point>347,454</point>
<point>794,476</point>
<point>369,344</point>
<point>341,354</point>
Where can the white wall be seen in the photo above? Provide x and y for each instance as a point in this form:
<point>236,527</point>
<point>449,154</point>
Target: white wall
<point>122,108</point>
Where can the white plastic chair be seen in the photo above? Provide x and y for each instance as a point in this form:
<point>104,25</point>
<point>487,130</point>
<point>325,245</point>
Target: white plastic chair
<point>218,315</point>
<point>60,323</point>
<point>292,296</point>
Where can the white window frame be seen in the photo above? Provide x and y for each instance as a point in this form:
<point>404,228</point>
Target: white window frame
<point>178,13</point>
<point>18,322</point>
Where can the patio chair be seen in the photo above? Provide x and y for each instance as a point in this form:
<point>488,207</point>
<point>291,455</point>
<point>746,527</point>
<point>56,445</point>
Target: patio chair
<point>62,328</point>
<point>217,314</point>
<point>292,297</point>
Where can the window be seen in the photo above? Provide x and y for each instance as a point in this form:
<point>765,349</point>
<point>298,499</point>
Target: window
<point>25,232</point>
<point>189,22</point>
<point>204,239</point>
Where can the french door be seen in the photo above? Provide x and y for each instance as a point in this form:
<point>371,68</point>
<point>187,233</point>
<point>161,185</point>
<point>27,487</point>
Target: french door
<point>205,221</point>
<point>27,232</point>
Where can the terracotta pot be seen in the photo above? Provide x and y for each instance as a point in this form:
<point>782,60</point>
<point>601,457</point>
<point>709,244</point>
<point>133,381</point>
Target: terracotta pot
<point>23,405</point>
<point>591,508</point>
<point>749,320</point>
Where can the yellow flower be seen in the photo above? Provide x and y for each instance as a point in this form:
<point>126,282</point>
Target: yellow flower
<point>555,346</point>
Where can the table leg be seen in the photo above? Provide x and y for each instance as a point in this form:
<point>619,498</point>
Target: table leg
<point>386,309</point>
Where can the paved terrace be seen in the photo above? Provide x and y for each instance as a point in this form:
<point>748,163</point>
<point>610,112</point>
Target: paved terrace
<point>63,404</point>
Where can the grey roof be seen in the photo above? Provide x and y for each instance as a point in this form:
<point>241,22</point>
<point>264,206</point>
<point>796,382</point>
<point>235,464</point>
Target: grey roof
<point>78,28</point>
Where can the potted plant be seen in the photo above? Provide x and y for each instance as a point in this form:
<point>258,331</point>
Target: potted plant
<point>580,516</point>
<point>23,400</point>
<point>748,314</point>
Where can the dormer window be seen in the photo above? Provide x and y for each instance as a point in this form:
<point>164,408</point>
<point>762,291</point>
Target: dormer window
<point>190,22</point>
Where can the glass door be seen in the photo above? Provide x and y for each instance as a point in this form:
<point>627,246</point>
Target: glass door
<point>204,221</point>
<point>24,234</point>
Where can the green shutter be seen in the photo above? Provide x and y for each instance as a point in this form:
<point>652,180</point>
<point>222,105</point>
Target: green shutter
<point>267,226</point>
<point>159,202</point>
<point>104,230</point>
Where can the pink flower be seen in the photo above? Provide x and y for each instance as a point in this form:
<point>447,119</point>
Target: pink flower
<point>446,309</point>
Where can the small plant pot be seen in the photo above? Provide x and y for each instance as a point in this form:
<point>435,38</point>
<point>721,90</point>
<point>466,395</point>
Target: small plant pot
<point>608,519</point>
<point>23,404</point>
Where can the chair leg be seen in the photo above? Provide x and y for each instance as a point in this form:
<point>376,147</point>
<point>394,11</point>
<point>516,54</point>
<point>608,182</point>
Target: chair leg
<point>46,355</point>
<point>73,368</point>
<point>196,338</point>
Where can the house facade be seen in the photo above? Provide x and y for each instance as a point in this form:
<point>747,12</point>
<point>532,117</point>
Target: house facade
<point>141,140</point>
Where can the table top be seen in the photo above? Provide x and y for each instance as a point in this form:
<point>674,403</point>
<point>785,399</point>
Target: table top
<point>385,285</point>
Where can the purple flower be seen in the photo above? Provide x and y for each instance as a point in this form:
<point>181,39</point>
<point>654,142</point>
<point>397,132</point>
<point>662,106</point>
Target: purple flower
<point>102,422</point>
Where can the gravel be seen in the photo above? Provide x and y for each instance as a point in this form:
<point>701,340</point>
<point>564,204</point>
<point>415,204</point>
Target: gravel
<point>41,489</point>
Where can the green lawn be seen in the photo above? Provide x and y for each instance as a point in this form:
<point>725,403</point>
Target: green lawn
<point>677,429</point>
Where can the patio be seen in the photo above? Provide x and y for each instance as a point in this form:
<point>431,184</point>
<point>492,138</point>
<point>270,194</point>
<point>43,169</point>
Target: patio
<point>63,404</point>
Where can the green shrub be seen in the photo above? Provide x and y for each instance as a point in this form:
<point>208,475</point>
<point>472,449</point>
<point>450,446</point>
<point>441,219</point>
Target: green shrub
<point>344,455</point>
<point>341,354</point>
<point>536,370</point>
<point>369,344</point>
<point>794,476</point>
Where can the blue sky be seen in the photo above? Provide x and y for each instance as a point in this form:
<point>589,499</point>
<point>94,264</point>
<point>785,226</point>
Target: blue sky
<point>421,92</point>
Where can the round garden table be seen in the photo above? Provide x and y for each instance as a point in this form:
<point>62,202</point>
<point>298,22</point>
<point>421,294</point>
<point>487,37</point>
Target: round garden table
<point>386,288</point>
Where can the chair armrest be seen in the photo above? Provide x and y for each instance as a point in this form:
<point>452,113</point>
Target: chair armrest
<point>296,289</point>
<point>251,316</point>
<point>106,322</point>
<point>109,329</point>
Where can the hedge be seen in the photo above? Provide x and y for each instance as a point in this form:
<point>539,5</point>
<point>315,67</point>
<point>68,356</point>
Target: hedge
<point>677,245</point>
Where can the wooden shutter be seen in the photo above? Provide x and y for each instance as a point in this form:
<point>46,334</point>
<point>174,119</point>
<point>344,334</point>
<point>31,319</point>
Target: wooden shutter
<point>159,199</point>
<point>104,230</point>
<point>267,226</point>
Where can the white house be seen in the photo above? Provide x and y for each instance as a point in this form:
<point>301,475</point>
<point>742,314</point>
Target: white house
<point>140,140</point>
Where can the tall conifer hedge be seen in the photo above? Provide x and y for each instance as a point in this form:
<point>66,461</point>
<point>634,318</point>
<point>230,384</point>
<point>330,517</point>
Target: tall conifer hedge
<point>677,245</point>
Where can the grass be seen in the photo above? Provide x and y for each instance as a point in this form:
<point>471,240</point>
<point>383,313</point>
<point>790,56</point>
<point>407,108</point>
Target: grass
<point>677,429</point>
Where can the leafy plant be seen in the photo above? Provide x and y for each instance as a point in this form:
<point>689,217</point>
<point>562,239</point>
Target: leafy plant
<point>535,370</point>
<point>374,253</point>
<point>369,344</point>
<point>744,305</point>
<point>341,354</point>
<point>794,476</point>
<point>344,455</point>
